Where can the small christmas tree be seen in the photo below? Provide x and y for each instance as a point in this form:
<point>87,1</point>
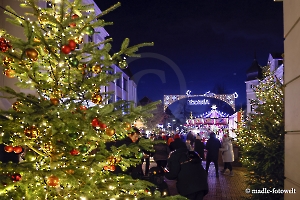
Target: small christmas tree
<point>261,137</point>
<point>63,129</point>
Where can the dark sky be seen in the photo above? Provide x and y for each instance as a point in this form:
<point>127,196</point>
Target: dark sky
<point>198,44</point>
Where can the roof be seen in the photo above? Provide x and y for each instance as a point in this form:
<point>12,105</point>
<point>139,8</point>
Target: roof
<point>254,71</point>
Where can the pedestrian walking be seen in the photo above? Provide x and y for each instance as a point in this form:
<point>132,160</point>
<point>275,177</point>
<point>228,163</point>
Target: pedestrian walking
<point>199,146</point>
<point>227,154</point>
<point>212,146</point>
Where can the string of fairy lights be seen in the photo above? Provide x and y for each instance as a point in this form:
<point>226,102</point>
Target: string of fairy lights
<point>64,77</point>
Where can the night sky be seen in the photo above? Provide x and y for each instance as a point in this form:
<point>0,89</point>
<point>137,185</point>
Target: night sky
<point>198,44</point>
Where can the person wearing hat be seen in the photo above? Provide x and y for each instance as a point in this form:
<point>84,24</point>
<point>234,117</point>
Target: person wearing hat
<point>227,154</point>
<point>212,146</point>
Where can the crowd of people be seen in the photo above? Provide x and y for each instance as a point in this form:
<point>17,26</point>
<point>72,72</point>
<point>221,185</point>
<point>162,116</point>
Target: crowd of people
<point>180,157</point>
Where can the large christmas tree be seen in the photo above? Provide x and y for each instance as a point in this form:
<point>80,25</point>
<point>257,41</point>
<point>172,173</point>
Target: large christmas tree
<point>261,137</point>
<point>63,129</point>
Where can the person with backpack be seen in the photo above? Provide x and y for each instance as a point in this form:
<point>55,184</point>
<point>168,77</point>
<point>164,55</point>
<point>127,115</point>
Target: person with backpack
<point>185,167</point>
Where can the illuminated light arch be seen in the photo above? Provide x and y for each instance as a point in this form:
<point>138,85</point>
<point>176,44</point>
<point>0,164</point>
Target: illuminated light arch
<point>227,98</point>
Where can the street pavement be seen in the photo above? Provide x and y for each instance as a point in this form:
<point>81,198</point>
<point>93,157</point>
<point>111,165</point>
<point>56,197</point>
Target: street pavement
<point>224,187</point>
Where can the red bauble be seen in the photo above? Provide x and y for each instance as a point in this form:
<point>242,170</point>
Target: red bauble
<point>112,168</point>
<point>72,44</point>
<point>54,101</point>
<point>95,123</point>
<point>105,167</point>
<point>74,152</point>
<point>18,149</point>
<point>82,107</point>
<point>8,149</point>
<point>73,24</point>
<point>66,49</point>
<point>74,16</point>
<point>16,177</point>
<point>4,45</point>
<point>102,125</point>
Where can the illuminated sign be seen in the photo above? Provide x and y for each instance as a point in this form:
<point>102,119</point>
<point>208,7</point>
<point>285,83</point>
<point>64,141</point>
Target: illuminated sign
<point>198,102</point>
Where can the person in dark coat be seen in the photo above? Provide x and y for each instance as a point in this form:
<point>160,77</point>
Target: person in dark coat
<point>133,137</point>
<point>161,153</point>
<point>190,136</point>
<point>212,147</point>
<point>191,177</point>
<point>176,143</point>
<point>199,147</point>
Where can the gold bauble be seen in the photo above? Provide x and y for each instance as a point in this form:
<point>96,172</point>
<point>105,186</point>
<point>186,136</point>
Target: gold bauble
<point>32,132</point>
<point>96,98</point>
<point>58,93</point>
<point>48,147</point>
<point>81,66</point>
<point>16,106</point>
<point>35,39</point>
<point>32,54</point>
<point>109,131</point>
<point>78,40</point>
<point>10,73</point>
<point>53,181</point>
<point>127,126</point>
<point>96,69</point>
<point>7,61</point>
<point>70,171</point>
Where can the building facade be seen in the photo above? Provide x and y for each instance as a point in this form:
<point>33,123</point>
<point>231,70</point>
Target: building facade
<point>254,73</point>
<point>124,88</point>
<point>292,96</point>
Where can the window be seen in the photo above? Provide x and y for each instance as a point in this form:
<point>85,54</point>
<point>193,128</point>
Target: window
<point>90,38</point>
<point>125,84</point>
<point>118,98</point>
<point>119,82</point>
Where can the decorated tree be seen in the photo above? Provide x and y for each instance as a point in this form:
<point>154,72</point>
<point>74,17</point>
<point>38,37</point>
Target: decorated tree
<point>261,137</point>
<point>63,129</point>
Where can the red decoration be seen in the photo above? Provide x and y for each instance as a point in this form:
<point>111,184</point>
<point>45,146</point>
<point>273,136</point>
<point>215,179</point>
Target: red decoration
<point>74,16</point>
<point>73,24</point>
<point>74,152</point>
<point>8,149</point>
<point>54,101</point>
<point>82,107</point>
<point>66,49</point>
<point>72,44</point>
<point>16,177</point>
<point>105,167</point>
<point>18,149</point>
<point>4,45</point>
<point>95,123</point>
<point>112,168</point>
<point>102,126</point>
